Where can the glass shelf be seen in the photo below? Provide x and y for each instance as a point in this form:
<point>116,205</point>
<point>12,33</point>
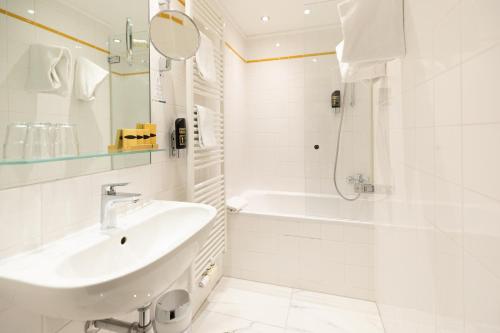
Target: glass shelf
<point>79,157</point>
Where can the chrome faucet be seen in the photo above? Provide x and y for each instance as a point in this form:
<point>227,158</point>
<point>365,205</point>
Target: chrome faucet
<point>109,197</point>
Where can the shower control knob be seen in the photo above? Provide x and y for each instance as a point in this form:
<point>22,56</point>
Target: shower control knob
<point>316,147</point>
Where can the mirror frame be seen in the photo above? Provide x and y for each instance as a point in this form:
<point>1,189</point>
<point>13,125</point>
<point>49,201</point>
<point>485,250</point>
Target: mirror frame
<point>168,11</point>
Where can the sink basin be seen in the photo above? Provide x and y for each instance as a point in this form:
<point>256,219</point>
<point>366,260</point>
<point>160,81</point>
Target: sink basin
<point>95,275</point>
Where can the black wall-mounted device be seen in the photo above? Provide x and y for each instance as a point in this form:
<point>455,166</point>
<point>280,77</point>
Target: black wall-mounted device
<point>336,100</point>
<point>180,133</point>
<point>178,137</point>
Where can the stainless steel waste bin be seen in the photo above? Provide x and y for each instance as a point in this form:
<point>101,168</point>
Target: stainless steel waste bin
<point>173,312</point>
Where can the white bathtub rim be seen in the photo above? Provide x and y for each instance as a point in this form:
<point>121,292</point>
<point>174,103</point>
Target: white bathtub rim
<point>313,218</point>
<point>317,219</point>
<point>251,193</point>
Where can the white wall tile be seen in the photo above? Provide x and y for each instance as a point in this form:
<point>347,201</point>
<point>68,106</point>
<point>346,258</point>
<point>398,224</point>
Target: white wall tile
<point>447,96</point>
<point>449,209</point>
<point>312,255</point>
<point>21,221</point>
<point>67,206</point>
<point>480,26</point>
<point>481,297</point>
<point>478,160</point>
<point>448,153</point>
<point>481,229</point>
<point>438,272</point>
<point>480,77</point>
<point>447,40</point>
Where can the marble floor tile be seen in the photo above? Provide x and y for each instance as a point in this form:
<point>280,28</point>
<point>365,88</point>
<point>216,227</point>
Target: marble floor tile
<point>345,303</point>
<point>212,322</point>
<point>320,313</point>
<point>239,306</point>
<point>252,301</point>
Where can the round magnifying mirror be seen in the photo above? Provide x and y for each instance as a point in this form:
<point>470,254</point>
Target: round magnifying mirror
<point>174,35</point>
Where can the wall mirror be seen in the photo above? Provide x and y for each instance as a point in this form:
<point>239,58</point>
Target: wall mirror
<point>72,72</point>
<point>174,35</point>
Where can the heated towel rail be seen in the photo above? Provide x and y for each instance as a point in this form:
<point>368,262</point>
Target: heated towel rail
<point>206,179</point>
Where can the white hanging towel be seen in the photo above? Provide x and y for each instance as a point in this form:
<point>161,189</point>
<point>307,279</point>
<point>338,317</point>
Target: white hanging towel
<point>88,76</point>
<point>205,59</point>
<point>359,71</point>
<point>49,69</point>
<point>206,127</point>
<point>373,30</point>
<point>236,204</point>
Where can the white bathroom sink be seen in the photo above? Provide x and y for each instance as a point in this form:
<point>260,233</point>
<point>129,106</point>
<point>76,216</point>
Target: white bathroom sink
<point>96,275</point>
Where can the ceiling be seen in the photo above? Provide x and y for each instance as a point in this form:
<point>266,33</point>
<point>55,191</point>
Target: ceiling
<point>114,12</point>
<point>285,15</point>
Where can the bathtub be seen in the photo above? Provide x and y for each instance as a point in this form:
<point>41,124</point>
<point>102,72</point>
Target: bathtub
<point>309,241</point>
<point>308,206</point>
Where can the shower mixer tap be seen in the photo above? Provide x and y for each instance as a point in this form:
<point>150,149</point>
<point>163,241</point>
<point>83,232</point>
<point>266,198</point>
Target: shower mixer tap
<point>361,183</point>
<point>357,179</point>
<point>364,188</point>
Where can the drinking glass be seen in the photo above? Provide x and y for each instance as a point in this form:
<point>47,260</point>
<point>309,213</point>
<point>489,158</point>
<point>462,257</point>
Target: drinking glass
<point>39,143</point>
<point>65,140</point>
<point>13,147</point>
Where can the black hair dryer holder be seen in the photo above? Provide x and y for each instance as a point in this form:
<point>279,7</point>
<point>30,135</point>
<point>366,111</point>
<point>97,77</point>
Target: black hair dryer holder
<point>178,138</point>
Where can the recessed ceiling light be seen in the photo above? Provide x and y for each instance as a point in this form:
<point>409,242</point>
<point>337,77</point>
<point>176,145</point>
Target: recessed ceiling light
<point>31,11</point>
<point>116,40</point>
<point>315,60</point>
<point>278,44</point>
<point>265,18</point>
<point>307,11</point>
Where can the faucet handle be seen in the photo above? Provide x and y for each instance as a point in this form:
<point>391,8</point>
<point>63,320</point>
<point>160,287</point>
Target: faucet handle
<point>109,189</point>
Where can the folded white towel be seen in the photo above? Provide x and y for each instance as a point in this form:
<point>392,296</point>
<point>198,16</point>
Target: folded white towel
<point>359,71</point>
<point>206,127</point>
<point>49,69</point>
<point>236,204</point>
<point>373,30</point>
<point>205,59</point>
<point>87,77</point>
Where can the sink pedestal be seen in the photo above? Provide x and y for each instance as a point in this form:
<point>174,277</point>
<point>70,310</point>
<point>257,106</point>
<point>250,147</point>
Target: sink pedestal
<point>144,325</point>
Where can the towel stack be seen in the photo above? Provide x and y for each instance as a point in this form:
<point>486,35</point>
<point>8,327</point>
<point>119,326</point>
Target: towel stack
<point>50,72</point>
<point>206,127</point>
<point>205,60</point>
<point>49,69</point>
<point>87,77</point>
<point>373,35</point>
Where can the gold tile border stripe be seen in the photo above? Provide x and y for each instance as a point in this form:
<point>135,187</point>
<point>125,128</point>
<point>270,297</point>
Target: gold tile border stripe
<point>52,30</point>
<point>130,74</point>
<point>171,17</point>
<point>297,56</point>
<point>235,52</point>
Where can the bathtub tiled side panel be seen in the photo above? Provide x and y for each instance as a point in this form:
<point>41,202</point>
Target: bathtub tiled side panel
<point>330,257</point>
